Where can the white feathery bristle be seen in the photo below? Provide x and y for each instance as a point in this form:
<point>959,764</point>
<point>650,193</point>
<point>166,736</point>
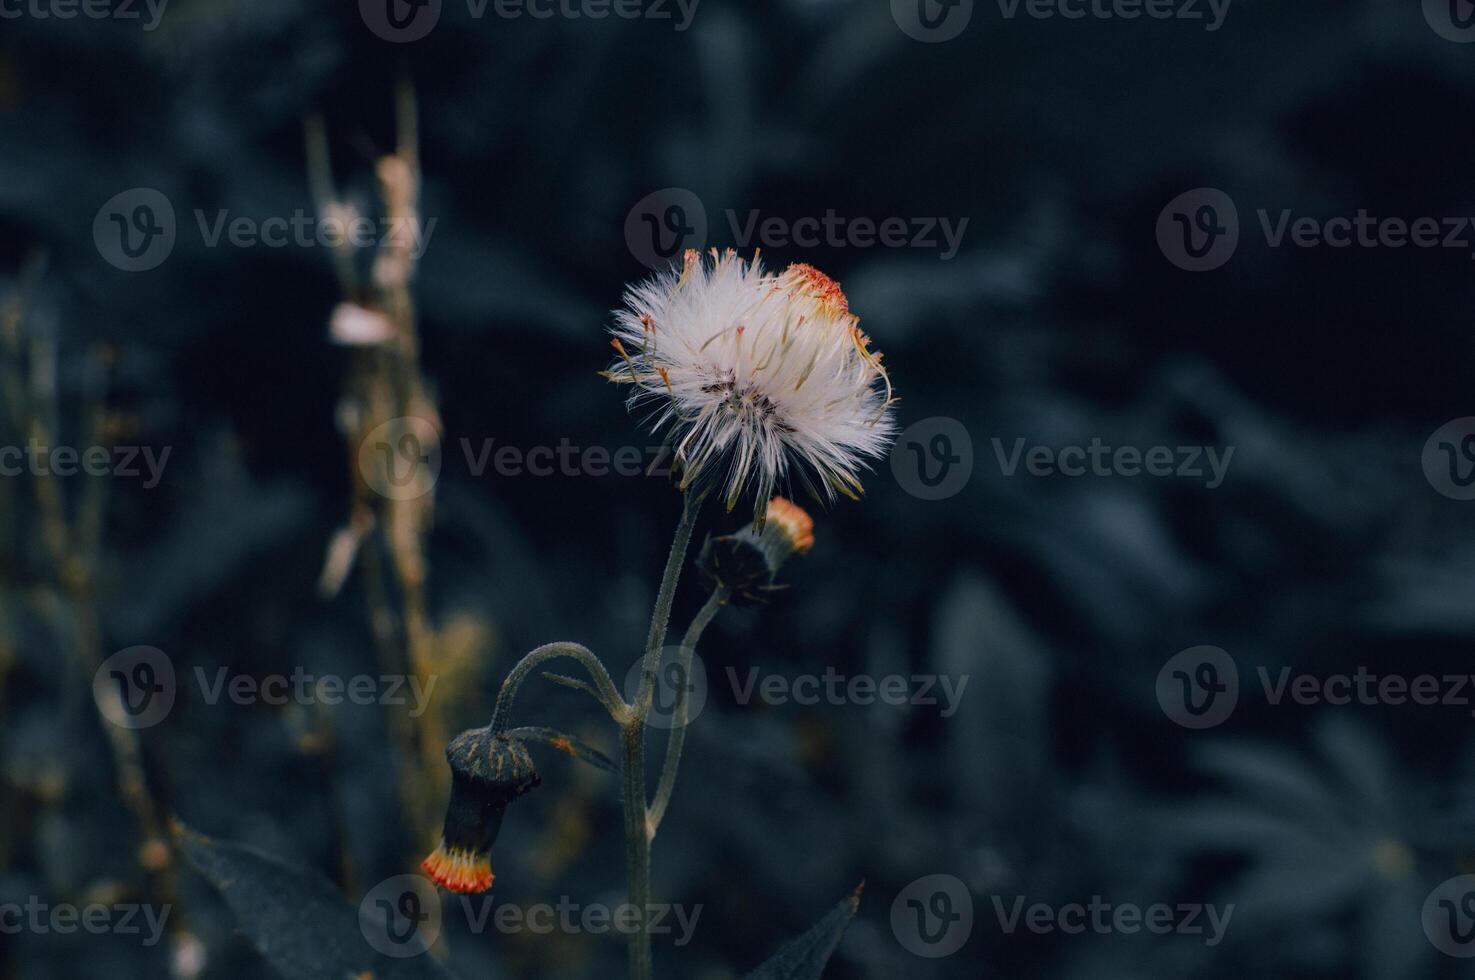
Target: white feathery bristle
<point>756,376</point>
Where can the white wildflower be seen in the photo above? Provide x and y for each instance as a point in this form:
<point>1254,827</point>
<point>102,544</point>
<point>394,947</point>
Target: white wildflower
<point>755,376</point>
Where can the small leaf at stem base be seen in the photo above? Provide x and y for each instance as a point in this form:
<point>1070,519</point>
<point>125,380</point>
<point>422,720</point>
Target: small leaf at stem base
<point>804,958</point>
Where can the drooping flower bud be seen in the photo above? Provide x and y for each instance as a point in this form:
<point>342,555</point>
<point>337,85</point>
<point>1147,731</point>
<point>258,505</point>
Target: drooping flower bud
<point>487,772</point>
<point>746,563</point>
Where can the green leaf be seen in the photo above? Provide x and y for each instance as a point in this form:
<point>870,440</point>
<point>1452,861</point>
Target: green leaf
<point>297,919</point>
<point>568,744</point>
<point>805,958</point>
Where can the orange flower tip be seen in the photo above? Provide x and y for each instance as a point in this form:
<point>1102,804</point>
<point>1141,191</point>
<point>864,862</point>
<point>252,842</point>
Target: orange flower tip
<point>563,745</point>
<point>691,260</point>
<point>810,281</point>
<point>459,871</point>
<point>793,522</point>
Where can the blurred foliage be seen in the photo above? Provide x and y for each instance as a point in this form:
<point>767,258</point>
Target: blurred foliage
<point>1059,321</point>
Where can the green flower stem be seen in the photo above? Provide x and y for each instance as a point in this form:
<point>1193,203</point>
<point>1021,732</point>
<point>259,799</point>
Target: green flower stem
<point>637,846</point>
<point>660,617</point>
<point>604,688</point>
<point>677,739</point>
<point>637,829</point>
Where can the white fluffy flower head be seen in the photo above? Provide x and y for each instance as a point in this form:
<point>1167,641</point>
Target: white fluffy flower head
<point>755,377</point>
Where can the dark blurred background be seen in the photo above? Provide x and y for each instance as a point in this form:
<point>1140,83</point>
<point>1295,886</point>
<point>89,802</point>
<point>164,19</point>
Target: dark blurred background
<point>1331,543</point>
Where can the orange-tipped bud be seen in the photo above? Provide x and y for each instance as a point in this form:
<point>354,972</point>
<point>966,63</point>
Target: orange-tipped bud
<point>488,771</point>
<point>459,871</point>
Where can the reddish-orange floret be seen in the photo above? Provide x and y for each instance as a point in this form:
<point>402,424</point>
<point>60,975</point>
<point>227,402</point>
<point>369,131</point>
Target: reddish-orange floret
<point>459,871</point>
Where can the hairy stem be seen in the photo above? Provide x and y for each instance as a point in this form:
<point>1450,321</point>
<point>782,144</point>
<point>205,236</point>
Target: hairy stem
<point>637,829</point>
<point>660,617</point>
<point>637,846</point>
<point>603,685</point>
<point>677,739</point>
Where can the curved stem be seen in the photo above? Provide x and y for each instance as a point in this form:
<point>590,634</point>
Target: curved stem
<point>677,739</point>
<point>604,687</point>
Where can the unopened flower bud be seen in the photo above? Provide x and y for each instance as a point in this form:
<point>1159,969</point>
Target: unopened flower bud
<point>487,772</point>
<point>746,564</point>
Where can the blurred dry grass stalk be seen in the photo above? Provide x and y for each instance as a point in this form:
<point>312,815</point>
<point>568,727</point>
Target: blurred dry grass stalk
<point>384,386</point>
<point>70,543</point>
